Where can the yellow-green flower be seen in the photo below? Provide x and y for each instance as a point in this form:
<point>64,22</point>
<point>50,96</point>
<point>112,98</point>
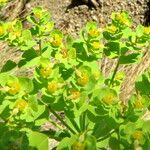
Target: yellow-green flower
<point>111,29</point>
<point>64,52</point>
<point>83,79</point>
<point>56,40</point>
<point>46,71</point>
<point>2,30</point>
<point>97,45</point>
<point>21,104</point>
<point>119,76</point>
<point>109,98</point>
<point>137,135</point>
<point>139,103</point>
<point>78,146</point>
<point>17,33</point>
<point>53,86</point>
<point>96,74</point>
<point>75,94</point>
<point>146,30</point>
<point>94,32</point>
<point>2,2</point>
<point>122,19</point>
<point>14,88</point>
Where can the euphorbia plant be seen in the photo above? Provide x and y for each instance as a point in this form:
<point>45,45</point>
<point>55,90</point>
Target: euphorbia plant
<point>67,88</point>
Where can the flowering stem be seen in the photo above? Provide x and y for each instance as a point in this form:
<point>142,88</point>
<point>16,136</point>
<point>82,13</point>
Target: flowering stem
<point>114,73</point>
<point>56,124</point>
<point>117,131</point>
<point>40,47</point>
<point>106,136</point>
<point>58,117</point>
<point>82,121</point>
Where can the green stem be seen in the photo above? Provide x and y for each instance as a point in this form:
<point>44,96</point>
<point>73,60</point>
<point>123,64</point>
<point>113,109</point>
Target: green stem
<point>82,121</point>
<point>40,47</point>
<point>75,125</point>
<point>60,119</point>
<point>106,136</point>
<point>56,124</point>
<point>117,131</point>
<point>114,73</point>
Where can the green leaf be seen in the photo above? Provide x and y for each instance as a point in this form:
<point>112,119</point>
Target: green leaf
<point>4,78</point>
<point>9,65</point>
<point>143,84</point>
<point>90,142</point>
<point>112,49</point>
<point>33,62</point>
<point>66,143</point>
<point>114,143</point>
<point>30,115</point>
<point>103,127</point>
<point>127,32</point>
<point>111,37</point>
<point>26,84</point>
<point>146,126</point>
<point>18,25</point>
<point>33,102</point>
<point>31,19</point>
<point>69,41</point>
<point>26,35</point>
<point>129,59</point>
<point>29,54</point>
<point>38,140</point>
<point>139,30</point>
<point>72,53</point>
<point>91,25</point>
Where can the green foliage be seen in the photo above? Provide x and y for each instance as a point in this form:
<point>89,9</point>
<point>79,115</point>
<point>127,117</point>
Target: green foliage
<point>67,80</point>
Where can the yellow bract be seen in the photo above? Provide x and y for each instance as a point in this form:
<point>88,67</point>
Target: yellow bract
<point>56,40</point>
<point>109,98</point>
<point>78,146</point>
<point>53,86</point>
<point>21,104</point>
<point>64,52</point>
<point>83,80</point>
<point>94,32</point>
<point>139,104</point>
<point>111,29</point>
<point>121,19</point>
<point>97,45</point>
<point>17,33</point>
<point>147,30</point>
<point>75,94</point>
<point>46,71</point>
<point>14,88</point>
<point>2,30</point>
<point>119,76</point>
<point>137,135</point>
<point>97,74</point>
<point>3,2</point>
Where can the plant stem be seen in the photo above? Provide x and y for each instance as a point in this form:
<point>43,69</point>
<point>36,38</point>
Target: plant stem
<point>56,124</point>
<point>60,119</point>
<point>106,136</point>
<point>114,73</point>
<point>117,131</point>
<point>40,47</point>
<point>75,125</point>
<point>82,121</point>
